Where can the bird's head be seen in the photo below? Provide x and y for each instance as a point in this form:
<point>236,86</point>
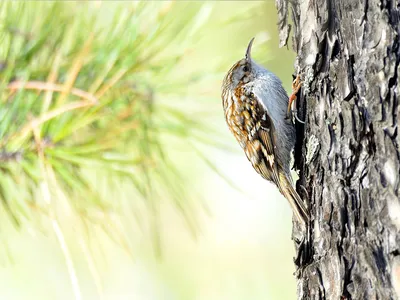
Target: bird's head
<point>242,72</point>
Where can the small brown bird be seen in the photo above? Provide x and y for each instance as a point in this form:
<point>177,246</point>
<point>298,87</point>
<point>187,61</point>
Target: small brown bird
<point>256,106</point>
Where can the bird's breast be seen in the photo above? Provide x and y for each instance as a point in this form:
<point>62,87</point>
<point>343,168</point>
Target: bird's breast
<point>243,117</point>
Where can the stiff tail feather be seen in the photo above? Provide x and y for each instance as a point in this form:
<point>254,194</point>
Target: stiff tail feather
<point>299,208</point>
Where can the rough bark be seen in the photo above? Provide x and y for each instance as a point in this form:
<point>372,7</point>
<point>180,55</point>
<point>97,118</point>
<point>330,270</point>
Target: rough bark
<point>349,159</point>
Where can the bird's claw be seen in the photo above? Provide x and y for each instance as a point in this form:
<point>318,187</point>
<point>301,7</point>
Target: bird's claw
<point>296,85</point>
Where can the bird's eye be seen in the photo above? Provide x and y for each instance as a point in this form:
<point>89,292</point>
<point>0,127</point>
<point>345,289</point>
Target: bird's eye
<point>245,68</point>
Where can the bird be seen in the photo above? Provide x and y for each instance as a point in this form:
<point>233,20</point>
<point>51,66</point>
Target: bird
<point>256,109</point>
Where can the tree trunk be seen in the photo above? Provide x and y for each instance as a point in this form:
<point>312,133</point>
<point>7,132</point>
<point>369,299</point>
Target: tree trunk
<point>348,54</point>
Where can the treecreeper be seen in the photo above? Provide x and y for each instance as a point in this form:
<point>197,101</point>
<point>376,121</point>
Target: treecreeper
<point>256,110</point>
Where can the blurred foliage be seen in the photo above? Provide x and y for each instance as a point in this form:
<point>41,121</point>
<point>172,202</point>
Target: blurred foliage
<point>92,96</point>
<point>79,100</point>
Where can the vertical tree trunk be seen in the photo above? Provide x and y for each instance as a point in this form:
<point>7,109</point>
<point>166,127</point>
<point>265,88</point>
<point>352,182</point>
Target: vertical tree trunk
<point>348,56</point>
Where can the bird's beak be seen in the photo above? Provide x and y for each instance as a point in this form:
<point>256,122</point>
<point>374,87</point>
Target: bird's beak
<point>248,51</point>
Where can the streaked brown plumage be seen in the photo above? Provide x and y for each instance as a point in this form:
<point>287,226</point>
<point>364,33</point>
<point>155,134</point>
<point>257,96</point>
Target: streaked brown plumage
<point>255,106</point>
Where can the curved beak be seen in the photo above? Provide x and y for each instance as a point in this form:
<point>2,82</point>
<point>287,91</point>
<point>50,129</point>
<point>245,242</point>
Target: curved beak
<point>248,51</point>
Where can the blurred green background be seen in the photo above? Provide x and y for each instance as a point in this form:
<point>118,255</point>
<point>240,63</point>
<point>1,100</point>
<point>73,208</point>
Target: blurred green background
<point>120,179</point>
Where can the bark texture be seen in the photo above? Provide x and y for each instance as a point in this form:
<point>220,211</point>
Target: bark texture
<point>349,159</point>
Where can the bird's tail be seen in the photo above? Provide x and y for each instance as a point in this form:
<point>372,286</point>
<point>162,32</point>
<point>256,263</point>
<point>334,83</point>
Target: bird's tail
<point>299,208</point>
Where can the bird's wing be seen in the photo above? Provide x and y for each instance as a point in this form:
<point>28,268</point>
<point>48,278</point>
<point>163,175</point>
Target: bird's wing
<point>267,137</point>
<point>270,168</point>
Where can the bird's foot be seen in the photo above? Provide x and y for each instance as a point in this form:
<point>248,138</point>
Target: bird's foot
<point>296,85</point>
